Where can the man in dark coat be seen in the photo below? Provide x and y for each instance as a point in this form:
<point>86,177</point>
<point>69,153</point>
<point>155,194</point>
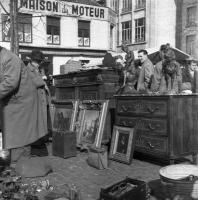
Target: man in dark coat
<point>20,103</point>
<point>37,74</point>
<point>146,72</point>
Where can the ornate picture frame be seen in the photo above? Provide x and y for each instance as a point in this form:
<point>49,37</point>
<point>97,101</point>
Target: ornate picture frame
<point>64,115</point>
<point>90,122</point>
<point>122,144</point>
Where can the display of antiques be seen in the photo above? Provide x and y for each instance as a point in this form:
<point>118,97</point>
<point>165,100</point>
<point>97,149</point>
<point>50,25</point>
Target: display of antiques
<point>79,123</point>
<point>166,125</point>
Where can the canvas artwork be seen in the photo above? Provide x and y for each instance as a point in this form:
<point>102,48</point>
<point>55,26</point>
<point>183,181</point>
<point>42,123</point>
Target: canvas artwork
<point>122,144</point>
<point>64,116</point>
<point>90,122</point>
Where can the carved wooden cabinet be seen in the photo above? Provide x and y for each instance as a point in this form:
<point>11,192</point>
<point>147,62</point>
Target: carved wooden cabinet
<point>167,125</point>
<point>86,85</point>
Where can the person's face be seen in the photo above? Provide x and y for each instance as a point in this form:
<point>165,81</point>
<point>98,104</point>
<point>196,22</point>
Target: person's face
<point>35,63</point>
<point>193,66</point>
<point>142,57</point>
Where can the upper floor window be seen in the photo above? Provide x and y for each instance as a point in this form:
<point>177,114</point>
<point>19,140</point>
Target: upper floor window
<point>53,30</point>
<point>140,4</point>
<point>83,33</point>
<point>191,16</point>
<point>126,32</point>
<point>126,5</point>
<point>25,28</point>
<point>140,30</point>
<point>114,5</point>
<point>190,44</point>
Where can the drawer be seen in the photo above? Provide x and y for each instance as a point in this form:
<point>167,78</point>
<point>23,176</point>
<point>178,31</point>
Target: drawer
<point>64,93</point>
<point>142,107</point>
<point>144,124</point>
<point>88,94</point>
<point>149,144</point>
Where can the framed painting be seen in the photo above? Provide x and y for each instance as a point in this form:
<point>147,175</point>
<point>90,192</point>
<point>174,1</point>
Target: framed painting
<point>122,144</point>
<point>64,115</point>
<point>90,122</point>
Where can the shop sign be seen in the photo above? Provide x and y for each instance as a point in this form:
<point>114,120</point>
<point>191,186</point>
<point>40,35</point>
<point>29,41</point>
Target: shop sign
<point>54,7</point>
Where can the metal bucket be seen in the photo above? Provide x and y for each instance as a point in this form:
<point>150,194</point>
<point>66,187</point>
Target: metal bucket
<point>181,179</point>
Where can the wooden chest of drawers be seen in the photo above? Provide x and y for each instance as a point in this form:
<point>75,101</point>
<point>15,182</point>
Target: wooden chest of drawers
<point>86,85</point>
<point>167,125</point>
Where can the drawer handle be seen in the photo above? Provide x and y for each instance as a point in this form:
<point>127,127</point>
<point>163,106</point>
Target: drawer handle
<point>150,145</point>
<point>151,127</point>
<point>124,123</point>
<point>123,109</point>
<point>152,110</point>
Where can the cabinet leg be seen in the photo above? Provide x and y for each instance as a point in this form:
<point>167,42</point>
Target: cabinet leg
<point>172,161</point>
<point>194,158</point>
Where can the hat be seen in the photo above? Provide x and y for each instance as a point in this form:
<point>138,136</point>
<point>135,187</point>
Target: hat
<point>37,55</point>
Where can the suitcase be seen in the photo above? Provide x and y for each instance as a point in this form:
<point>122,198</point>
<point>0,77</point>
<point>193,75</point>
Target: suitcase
<point>64,144</point>
<point>127,189</point>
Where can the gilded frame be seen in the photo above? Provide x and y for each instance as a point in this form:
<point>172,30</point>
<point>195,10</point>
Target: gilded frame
<point>90,122</point>
<point>122,144</point>
<point>64,115</point>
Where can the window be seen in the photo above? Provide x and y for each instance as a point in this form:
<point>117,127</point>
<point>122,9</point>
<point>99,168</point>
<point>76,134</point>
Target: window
<point>114,5</point>
<point>83,33</point>
<point>5,28</point>
<point>111,36</point>
<point>126,32</point>
<point>191,16</point>
<point>190,44</point>
<point>25,28</point>
<point>126,5</point>
<point>140,4</point>
<point>140,30</point>
<point>53,30</point>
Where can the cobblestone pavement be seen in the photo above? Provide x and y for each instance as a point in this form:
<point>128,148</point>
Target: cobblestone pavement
<point>90,180</point>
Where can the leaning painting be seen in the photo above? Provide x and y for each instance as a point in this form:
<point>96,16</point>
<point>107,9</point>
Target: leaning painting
<point>90,122</point>
<point>122,144</point>
<point>64,115</point>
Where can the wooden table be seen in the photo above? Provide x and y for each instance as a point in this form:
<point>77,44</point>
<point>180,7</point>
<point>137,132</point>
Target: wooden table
<point>167,125</point>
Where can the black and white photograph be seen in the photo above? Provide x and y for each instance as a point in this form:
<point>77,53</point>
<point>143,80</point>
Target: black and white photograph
<point>109,82</point>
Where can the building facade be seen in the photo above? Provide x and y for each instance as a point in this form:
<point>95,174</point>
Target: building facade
<point>79,29</point>
<point>187,33</point>
<point>144,23</point>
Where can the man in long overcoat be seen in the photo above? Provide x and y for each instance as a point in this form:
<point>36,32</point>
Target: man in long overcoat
<point>20,102</point>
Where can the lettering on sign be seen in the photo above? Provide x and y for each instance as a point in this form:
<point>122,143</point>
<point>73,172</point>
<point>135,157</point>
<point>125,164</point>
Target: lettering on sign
<point>64,8</point>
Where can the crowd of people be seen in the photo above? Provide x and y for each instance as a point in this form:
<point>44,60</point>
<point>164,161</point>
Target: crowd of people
<point>165,77</point>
